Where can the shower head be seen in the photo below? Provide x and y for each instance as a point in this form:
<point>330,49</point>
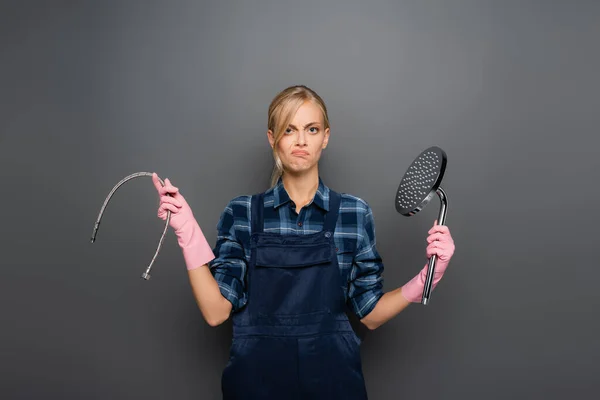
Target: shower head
<point>420,183</point>
<point>145,275</point>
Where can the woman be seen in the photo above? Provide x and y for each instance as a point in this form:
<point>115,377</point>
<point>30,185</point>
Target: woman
<point>287,262</point>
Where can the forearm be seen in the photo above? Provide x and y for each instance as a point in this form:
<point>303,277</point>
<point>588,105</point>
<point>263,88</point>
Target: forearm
<point>388,306</point>
<point>197,253</point>
<point>392,303</point>
<point>214,307</point>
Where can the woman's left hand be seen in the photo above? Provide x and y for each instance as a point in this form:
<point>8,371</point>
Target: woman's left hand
<point>440,243</point>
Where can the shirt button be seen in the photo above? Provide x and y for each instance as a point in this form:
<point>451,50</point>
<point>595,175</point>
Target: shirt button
<point>299,223</point>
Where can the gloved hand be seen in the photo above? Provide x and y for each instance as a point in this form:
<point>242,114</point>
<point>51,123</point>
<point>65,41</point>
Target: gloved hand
<point>196,250</point>
<point>442,245</point>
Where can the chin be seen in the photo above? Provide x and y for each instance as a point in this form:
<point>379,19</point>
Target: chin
<point>298,169</point>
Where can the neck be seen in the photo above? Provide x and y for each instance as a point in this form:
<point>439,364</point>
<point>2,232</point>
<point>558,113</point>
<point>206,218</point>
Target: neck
<point>301,188</point>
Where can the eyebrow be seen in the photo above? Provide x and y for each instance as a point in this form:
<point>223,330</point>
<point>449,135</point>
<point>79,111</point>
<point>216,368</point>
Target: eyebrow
<point>305,126</point>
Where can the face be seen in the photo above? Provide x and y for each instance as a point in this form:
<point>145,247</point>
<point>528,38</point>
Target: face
<point>301,144</point>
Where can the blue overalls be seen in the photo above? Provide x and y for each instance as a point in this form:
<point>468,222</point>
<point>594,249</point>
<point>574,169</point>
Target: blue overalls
<point>293,339</point>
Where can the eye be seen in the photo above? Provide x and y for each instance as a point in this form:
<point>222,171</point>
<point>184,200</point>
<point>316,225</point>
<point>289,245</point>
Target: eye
<point>314,129</point>
<point>288,131</point>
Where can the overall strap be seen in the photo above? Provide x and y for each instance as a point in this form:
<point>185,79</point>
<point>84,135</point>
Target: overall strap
<point>332,215</point>
<point>257,212</point>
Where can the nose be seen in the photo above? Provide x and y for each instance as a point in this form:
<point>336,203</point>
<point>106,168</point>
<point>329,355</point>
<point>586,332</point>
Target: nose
<point>301,138</point>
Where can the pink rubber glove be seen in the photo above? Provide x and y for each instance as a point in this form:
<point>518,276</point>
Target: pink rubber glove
<point>196,250</point>
<point>441,244</point>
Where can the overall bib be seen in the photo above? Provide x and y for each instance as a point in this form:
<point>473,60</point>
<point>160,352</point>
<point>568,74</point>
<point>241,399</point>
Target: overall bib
<point>293,339</point>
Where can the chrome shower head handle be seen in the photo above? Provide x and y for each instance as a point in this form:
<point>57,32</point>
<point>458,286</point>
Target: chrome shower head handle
<point>418,186</point>
<point>146,274</point>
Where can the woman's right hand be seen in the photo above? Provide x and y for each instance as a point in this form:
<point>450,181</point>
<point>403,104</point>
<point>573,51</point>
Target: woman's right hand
<point>190,238</point>
<point>172,200</point>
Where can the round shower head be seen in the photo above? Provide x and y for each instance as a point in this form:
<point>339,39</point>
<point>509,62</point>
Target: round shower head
<point>421,181</point>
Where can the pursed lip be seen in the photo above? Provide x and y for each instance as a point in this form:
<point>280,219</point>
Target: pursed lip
<point>299,153</point>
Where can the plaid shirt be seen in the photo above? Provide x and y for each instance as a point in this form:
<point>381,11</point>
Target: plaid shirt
<point>359,262</point>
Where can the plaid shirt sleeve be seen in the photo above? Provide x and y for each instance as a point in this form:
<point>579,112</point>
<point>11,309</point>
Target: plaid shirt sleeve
<point>366,282</point>
<point>229,265</point>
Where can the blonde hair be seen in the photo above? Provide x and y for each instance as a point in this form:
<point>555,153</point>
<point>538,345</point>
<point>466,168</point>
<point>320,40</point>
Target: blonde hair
<point>282,109</point>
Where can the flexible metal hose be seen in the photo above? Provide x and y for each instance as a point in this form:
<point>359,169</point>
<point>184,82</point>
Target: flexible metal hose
<point>146,274</point>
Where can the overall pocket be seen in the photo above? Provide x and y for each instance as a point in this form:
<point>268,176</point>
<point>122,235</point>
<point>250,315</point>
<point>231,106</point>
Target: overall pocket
<point>292,282</point>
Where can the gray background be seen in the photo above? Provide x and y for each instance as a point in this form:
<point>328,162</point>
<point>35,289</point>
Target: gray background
<point>93,91</point>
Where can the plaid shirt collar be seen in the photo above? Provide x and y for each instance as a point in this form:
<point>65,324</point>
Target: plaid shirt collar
<point>282,197</point>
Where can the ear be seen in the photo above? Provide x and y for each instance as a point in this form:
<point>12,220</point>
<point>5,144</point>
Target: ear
<point>326,138</point>
<point>271,138</point>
